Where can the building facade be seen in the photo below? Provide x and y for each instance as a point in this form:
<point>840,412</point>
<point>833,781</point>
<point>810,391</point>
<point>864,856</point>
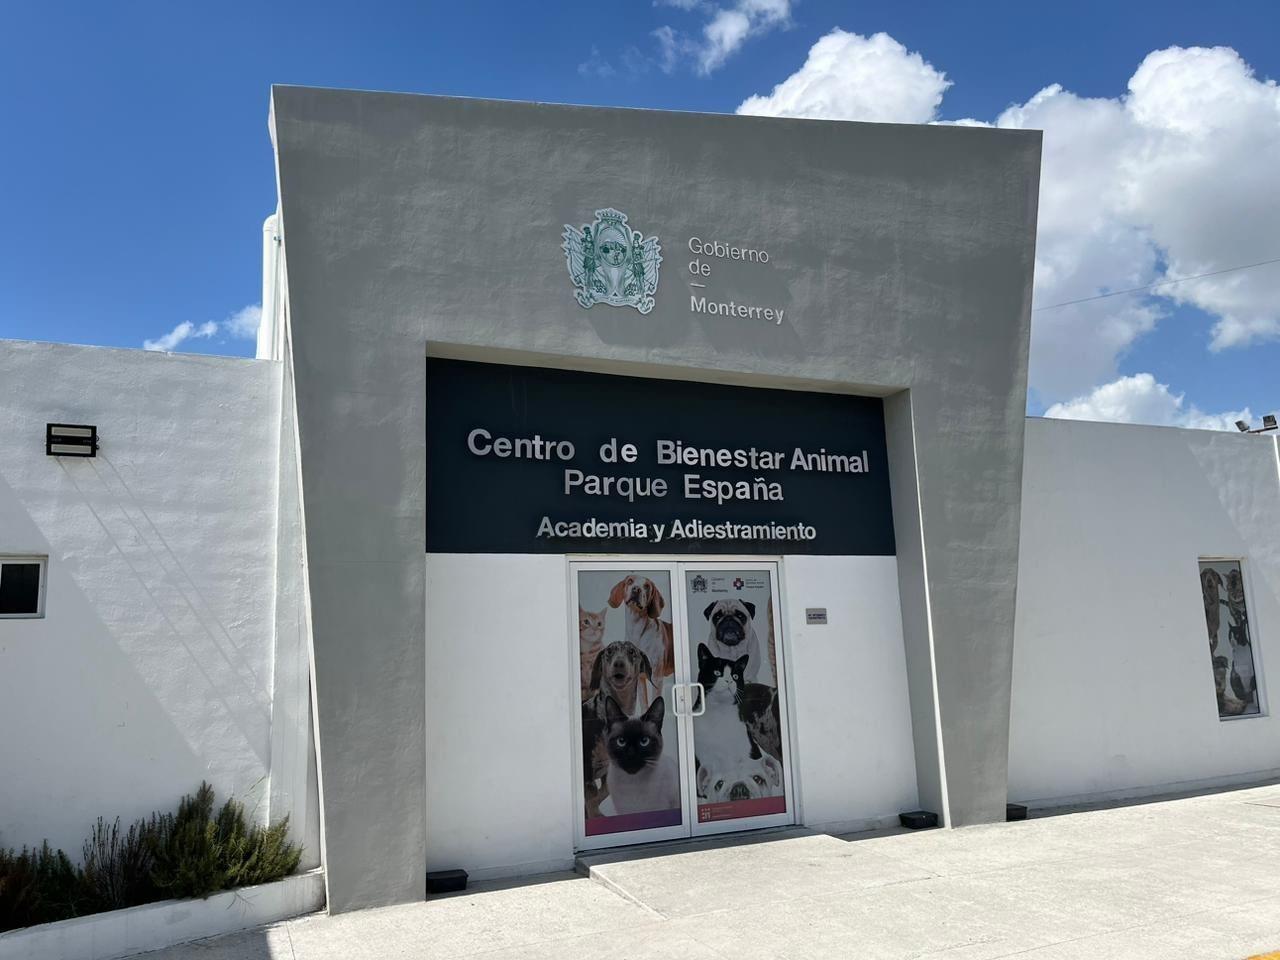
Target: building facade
<point>609,476</point>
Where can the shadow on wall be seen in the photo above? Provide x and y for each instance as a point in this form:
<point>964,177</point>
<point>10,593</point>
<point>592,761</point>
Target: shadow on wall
<point>131,688</point>
<point>1250,506</point>
<point>233,687</point>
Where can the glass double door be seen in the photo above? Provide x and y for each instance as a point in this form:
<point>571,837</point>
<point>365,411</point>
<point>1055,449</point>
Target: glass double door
<point>681,729</point>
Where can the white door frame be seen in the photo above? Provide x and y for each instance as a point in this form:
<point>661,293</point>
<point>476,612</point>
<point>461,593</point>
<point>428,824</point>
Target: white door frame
<point>580,839</point>
<point>788,816</point>
<point>689,826</point>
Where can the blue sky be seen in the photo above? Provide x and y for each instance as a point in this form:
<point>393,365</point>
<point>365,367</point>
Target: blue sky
<point>139,169</point>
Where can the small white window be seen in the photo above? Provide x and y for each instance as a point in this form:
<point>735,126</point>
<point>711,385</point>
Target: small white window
<point>22,587</point>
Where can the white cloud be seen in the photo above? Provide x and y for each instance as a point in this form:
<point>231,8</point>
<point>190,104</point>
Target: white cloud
<point>723,34</point>
<point>669,48</point>
<point>1084,246</point>
<point>1207,183</point>
<point>851,77</point>
<point>1141,399</point>
<point>635,62</point>
<point>1174,178</point>
<point>183,332</point>
<point>241,325</point>
<point>596,66</point>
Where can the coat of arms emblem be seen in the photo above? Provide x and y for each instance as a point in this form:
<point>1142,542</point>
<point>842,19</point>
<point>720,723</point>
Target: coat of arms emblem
<point>611,263</point>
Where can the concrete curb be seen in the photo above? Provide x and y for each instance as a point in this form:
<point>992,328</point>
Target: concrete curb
<point>153,926</point>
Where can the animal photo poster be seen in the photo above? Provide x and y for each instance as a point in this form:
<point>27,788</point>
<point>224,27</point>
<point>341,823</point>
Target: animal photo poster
<point>737,738</point>
<point>630,741</point>
<point>1226,616</point>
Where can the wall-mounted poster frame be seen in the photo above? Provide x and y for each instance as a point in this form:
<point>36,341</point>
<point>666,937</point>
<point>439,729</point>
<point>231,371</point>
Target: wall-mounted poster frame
<point>1232,634</point>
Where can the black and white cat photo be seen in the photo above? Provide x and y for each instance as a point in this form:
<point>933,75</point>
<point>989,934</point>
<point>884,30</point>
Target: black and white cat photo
<point>741,719</point>
<point>642,777</point>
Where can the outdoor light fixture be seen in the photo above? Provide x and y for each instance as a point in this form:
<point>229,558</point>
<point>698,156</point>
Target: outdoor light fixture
<point>71,440</point>
<point>1268,423</point>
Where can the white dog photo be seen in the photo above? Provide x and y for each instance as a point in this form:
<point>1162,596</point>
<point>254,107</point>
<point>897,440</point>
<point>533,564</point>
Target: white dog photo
<point>744,778</point>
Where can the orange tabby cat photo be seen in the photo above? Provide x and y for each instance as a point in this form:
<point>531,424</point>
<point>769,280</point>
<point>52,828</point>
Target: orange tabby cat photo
<point>590,643</point>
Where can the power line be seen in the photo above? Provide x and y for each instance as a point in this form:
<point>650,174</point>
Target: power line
<point>1158,283</point>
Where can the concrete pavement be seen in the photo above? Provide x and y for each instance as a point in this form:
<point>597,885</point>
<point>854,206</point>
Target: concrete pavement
<point>1195,878</point>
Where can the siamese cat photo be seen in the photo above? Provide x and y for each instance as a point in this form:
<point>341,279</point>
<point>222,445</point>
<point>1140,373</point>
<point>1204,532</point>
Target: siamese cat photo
<point>641,777</point>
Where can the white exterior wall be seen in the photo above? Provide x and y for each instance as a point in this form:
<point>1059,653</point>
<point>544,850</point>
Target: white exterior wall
<point>153,667</point>
<point>499,723</point>
<point>498,714</point>
<point>1112,682</point>
<point>855,761</point>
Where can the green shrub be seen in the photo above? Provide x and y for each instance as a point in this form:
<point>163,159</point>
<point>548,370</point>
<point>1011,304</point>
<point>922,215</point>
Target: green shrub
<point>188,858</point>
<point>40,886</point>
<point>18,892</point>
<point>117,866</point>
<point>190,853</point>
<point>264,854</point>
<point>197,854</point>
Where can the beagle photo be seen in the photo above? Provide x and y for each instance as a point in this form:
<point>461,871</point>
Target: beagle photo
<point>643,603</point>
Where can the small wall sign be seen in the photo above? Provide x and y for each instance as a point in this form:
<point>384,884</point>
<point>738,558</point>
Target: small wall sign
<point>70,440</point>
<point>815,616</point>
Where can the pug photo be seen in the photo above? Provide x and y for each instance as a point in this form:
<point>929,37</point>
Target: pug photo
<point>733,634</point>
